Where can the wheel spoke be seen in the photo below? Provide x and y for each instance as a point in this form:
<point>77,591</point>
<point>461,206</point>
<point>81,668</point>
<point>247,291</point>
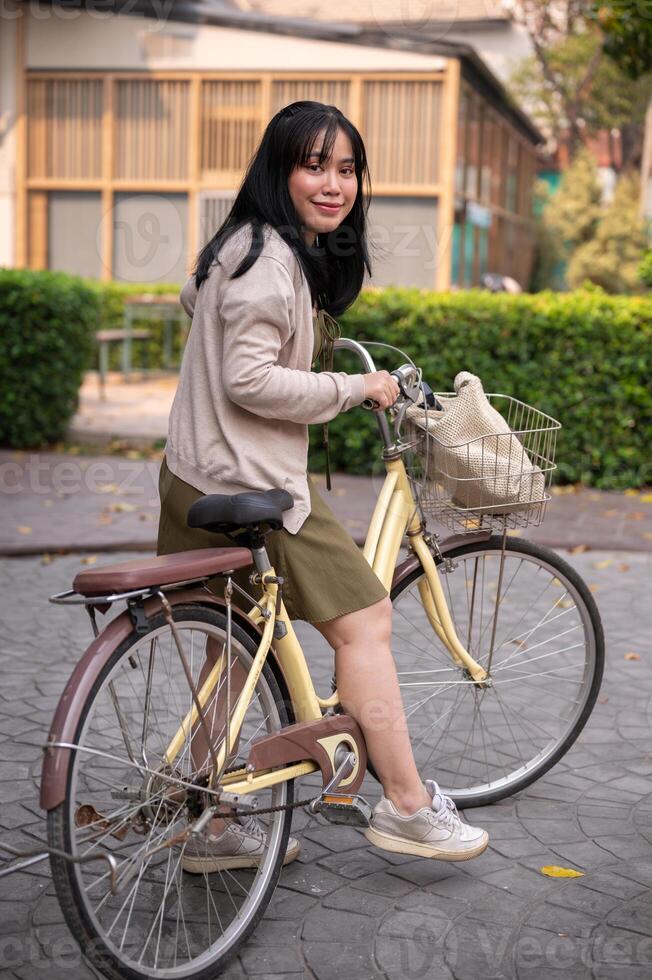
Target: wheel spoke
<point>164,919</point>
<point>485,739</point>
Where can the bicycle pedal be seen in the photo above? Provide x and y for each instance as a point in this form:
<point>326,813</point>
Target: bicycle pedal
<point>354,811</point>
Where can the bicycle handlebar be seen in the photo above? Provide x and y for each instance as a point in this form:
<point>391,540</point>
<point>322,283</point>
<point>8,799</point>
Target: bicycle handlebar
<point>406,377</point>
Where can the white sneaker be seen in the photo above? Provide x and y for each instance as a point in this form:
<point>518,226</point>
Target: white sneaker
<point>436,831</point>
<point>240,845</point>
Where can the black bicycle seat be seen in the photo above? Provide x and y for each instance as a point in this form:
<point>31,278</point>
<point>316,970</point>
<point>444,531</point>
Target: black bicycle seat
<point>224,513</point>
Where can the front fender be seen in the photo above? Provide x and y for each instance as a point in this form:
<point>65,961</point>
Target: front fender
<point>54,774</point>
<point>407,566</point>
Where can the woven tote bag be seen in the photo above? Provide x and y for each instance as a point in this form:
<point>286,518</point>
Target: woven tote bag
<point>474,455</point>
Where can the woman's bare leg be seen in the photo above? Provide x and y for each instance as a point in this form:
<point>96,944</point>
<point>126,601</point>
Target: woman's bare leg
<point>367,683</point>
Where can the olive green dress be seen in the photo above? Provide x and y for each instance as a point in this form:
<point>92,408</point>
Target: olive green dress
<point>325,573</point>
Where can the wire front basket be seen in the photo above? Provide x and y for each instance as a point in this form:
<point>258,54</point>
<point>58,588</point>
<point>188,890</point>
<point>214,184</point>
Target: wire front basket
<point>498,480</point>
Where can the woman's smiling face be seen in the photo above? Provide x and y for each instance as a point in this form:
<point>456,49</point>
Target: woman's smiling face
<point>324,193</point>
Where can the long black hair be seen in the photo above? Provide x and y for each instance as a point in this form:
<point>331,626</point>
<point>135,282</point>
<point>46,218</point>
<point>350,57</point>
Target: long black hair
<point>334,267</point>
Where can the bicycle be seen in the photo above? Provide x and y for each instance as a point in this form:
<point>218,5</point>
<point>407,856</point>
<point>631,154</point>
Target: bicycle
<point>499,650</point>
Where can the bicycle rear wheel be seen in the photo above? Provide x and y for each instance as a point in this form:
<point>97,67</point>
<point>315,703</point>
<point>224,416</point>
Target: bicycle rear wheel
<point>485,743</point>
<point>125,798</point>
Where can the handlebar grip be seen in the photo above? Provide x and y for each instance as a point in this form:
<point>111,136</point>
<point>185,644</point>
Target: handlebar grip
<point>370,403</point>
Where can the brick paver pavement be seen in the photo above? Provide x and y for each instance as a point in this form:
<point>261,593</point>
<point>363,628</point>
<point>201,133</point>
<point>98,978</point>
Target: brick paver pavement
<point>348,911</point>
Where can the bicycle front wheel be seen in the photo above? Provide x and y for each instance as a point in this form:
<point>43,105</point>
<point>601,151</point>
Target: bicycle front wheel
<point>541,640</point>
<point>129,798</point>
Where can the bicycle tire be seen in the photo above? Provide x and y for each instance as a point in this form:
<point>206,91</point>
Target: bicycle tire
<point>68,884</point>
<point>491,791</point>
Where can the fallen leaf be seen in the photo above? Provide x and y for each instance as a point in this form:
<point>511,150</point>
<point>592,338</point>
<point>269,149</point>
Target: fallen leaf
<point>104,519</point>
<point>48,502</point>
<point>593,587</point>
<point>89,560</point>
<point>611,513</point>
<point>646,498</point>
<point>623,566</point>
<point>108,488</point>
<point>578,549</point>
<point>603,564</point>
<point>636,515</point>
<point>603,700</point>
<point>632,656</point>
<point>631,493</point>
<point>46,559</point>
<point>121,507</point>
<point>647,535</point>
<point>554,871</point>
<point>594,496</point>
<point>24,529</point>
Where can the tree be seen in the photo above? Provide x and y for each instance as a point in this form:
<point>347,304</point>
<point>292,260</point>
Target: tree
<point>627,29</point>
<point>574,211</point>
<point>569,85</point>
<point>612,258</point>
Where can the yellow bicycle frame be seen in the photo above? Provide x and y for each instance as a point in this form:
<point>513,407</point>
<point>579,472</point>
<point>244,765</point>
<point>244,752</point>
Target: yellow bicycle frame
<point>395,514</point>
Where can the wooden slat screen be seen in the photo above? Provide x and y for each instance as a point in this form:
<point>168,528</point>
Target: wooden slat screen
<point>64,128</point>
<point>331,92</point>
<point>151,129</point>
<point>230,127</point>
<point>401,130</point>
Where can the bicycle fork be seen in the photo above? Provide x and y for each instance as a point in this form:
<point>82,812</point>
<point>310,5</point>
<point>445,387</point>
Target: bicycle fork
<point>436,609</point>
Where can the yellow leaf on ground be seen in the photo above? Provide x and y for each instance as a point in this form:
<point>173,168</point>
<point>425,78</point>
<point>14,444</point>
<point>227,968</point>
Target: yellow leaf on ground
<point>647,535</point>
<point>623,566</point>
<point>631,493</point>
<point>593,587</point>
<point>632,656</point>
<point>646,498</point>
<point>554,871</point>
<point>578,549</point>
<point>121,507</point>
<point>89,560</point>
<point>108,488</point>
<point>603,564</point>
<point>24,529</point>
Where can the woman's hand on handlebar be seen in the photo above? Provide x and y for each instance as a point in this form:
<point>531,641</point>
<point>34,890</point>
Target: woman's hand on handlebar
<point>381,388</point>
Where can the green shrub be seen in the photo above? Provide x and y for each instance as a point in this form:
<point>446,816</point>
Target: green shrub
<point>583,357</point>
<point>47,321</point>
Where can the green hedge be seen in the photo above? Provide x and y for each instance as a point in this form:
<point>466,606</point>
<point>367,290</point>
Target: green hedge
<point>583,357</point>
<point>47,321</point>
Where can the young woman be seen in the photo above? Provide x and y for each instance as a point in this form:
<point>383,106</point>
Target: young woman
<point>291,254</point>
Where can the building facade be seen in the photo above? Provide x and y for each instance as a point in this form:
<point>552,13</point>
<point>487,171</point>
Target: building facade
<point>130,136</point>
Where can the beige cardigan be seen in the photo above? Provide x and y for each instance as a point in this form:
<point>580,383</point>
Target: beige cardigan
<point>246,394</point>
